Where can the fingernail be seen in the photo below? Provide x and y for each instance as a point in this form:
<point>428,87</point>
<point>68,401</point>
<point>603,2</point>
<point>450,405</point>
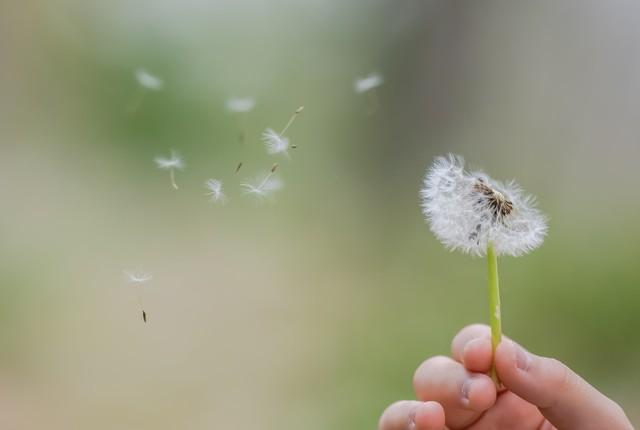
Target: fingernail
<point>466,387</point>
<point>523,359</point>
<point>412,420</point>
<point>411,426</point>
<point>469,345</point>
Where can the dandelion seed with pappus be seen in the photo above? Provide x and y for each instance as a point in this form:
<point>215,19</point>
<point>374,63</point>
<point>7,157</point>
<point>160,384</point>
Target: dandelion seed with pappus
<point>368,85</point>
<point>146,82</point>
<point>264,186</point>
<point>173,163</point>
<point>241,106</point>
<point>149,81</point>
<point>277,143</point>
<point>472,213</point>
<point>138,278</point>
<point>362,85</point>
<point>214,187</point>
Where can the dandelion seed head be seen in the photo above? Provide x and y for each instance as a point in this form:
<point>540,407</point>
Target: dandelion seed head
<point>240,104</point>
<point>275,143</point>
<point>214,187</point>
<point>172,162</point>
<point>362,85</point>
<point>148,81</point>
<point>467,210</point>
<point>137,277</point>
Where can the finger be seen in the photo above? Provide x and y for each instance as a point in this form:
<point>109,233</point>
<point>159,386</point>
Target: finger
<point>511,412</point>
<point>413,415</point>
<point>464,395</point>
<point>472,347</point>
<point>563,397</point>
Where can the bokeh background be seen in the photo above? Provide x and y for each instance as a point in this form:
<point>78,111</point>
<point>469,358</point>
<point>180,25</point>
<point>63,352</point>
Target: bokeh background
<point>313,308</point>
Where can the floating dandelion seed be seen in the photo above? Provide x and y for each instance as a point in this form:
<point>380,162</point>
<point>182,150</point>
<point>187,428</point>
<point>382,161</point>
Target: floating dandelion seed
<point>362,85</point>
<point>146,82</point>
<point>368,85</point>
<point>240,104</point>
<point>149,81</point>
<point>470,212</point>
<point>263,187</point>
<point>139,278</point>
<point>277,143</point>
<point>214,187</point>
<point>171,164</point>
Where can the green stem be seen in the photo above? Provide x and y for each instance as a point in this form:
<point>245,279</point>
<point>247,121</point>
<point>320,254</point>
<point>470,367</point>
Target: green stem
<point>494,306</point>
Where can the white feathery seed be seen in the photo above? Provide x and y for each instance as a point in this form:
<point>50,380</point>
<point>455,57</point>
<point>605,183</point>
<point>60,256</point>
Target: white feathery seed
<point>214,187</point>
<point>468,210</point>
<point>138,277</point>
<point>263,186</point>
<point>362,85</point>
<point>149,81</point>
<point>275,143</point>
<point>240,104</point>
<point>172,162</point>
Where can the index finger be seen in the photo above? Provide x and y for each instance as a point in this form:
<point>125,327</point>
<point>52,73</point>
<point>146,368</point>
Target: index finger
<point>472,347</point>
<point>468,334</point>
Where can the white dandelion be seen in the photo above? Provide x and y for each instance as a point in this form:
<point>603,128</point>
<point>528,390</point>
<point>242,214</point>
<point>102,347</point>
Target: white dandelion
<point>148,81</point>
<point>362,85</point>
<point>138,278</point>
<point>240,104</point>
<point>467,211</point>
<point>275,143</point>
<point>173,163</point>
<point>214,187</point>
<point>263,186</point>
<point>471,212</point>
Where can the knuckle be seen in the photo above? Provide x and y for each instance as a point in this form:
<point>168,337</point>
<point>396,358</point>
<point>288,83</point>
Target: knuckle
<point>560,376</point>
<point>475,330</point>
<point>428,367</point>
<point>395,416</point>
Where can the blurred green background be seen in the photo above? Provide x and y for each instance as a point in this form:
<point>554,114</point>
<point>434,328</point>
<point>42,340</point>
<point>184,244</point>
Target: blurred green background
<point>312,309</point>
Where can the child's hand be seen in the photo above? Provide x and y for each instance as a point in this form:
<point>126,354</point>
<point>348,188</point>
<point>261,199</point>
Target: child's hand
<point>540,393</point>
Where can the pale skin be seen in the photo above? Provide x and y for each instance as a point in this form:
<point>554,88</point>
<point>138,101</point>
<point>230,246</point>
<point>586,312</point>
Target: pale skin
<point>539,393</point>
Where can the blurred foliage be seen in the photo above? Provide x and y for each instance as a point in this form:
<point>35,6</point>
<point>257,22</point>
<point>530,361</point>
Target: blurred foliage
<point>312,309</point>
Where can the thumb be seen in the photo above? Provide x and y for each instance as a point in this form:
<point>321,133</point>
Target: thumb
<point>563,397</point>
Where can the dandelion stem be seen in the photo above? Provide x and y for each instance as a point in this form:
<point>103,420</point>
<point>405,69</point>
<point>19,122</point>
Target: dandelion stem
<point>172,175</point>
<point>494,306</point>
<point>293,117</point>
